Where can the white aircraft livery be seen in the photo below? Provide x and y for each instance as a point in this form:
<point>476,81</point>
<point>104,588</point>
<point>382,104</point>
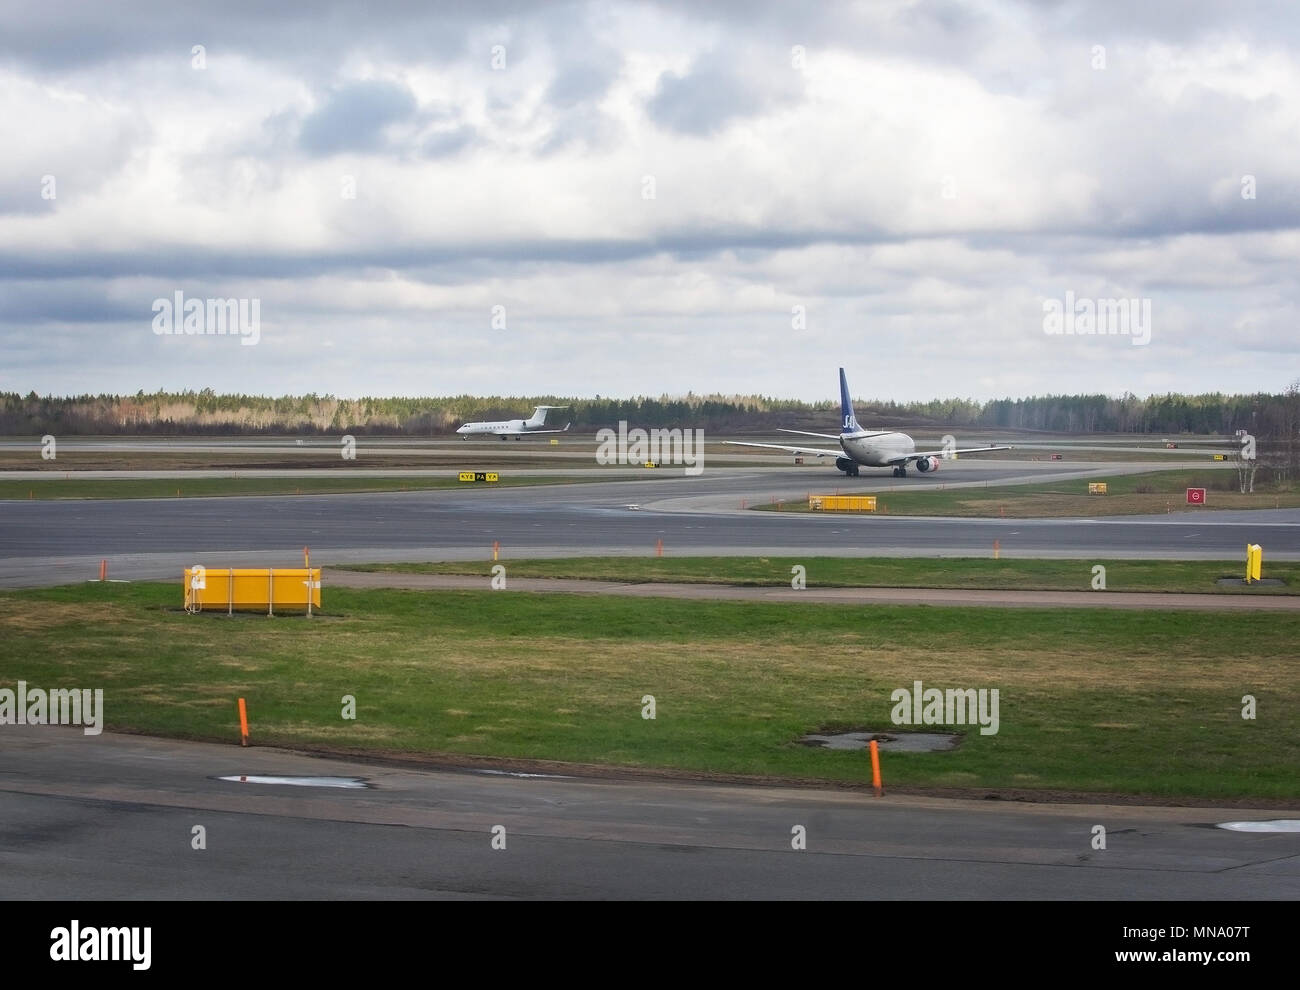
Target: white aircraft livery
<point>869,448</point>
<point>514,427</point>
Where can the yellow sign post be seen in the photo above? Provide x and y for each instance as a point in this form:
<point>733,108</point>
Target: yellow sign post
<point>1096,488</point>
<point>1254,561</point>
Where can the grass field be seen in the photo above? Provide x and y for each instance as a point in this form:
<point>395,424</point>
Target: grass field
<point>56,488</point>
<point>1098,701</point>
<point>1128,494</point>
<point>882,572</point>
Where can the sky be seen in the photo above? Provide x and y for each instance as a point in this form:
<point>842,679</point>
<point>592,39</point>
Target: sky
<point>622,199</point>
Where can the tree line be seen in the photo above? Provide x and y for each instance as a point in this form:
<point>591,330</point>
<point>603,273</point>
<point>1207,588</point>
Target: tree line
<point>1272,417</point>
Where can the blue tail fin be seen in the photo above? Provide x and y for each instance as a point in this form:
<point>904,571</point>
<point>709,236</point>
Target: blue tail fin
<point>848,421</point>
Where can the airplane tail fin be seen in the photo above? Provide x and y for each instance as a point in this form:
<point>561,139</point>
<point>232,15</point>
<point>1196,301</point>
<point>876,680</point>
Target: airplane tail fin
<point>538,419</point>
<point>848,421</point>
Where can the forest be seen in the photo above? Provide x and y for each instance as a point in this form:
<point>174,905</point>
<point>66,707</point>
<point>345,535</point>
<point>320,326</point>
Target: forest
<point>206,412</point>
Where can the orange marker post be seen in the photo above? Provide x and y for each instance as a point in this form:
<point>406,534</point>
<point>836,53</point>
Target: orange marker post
<point>496,549</point>
<point>103,570</point>
<point>243,722</point>
<point>875,769</point>
<point>659,547</point>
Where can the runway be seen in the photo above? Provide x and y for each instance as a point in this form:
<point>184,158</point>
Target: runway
<point>113,817</point>
<point>52,542</point>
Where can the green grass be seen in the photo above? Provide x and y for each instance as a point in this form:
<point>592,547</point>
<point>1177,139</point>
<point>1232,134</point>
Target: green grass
<point>55,488</point>
<point>1096,701</point>
<point>1127,494</point>
<point>881,572</point>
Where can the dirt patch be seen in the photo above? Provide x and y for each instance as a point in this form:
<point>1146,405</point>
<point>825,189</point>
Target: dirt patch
<point>898,742</point>
<point>454,761</point>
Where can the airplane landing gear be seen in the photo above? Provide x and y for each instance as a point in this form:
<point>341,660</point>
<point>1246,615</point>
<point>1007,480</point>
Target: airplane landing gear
<point>900,472</point>
<point>850,468</point>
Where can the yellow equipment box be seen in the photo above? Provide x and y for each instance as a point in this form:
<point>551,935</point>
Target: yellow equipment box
<point>232,588</point>
<point>1097,488</point>
<point>842,503</point>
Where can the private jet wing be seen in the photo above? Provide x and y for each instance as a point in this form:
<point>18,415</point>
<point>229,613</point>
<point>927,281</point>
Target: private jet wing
<point>529,433</point>
<point>793,450</point>
<point>940,453</point>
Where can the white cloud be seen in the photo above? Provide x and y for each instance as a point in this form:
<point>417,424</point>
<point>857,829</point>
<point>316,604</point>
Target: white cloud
<point>919,186</point>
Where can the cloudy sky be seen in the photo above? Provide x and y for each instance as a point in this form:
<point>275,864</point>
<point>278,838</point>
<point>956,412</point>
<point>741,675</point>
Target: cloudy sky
<point>643,198</point>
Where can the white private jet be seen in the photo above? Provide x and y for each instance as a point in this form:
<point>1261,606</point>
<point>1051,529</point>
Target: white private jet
<point>514,427</point>
<point>867,447</point>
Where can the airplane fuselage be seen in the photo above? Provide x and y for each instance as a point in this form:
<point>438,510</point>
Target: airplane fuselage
<point>877,449</point>
<point>505,428</point>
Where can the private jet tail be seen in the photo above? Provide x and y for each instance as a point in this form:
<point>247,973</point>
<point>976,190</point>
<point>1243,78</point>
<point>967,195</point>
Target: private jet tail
<point>538,419</point>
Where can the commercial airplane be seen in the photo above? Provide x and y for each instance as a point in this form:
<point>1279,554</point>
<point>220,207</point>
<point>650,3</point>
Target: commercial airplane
<point>867,447</point>
<point>514,427</point>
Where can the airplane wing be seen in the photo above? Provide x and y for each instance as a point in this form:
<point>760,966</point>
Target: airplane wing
<point>793,450</point>
<point>940,453</point>
<point>805,433</point>
<point>835,436</point>
<point>529,433</point>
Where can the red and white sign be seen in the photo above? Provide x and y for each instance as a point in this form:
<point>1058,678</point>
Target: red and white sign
<point>1196,496</point>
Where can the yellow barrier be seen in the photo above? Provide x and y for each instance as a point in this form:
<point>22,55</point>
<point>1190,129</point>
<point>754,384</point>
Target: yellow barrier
<point>478,476</point>
<point>251,588</point>
<point>1254,561</point>
<point>842,503</point>
<point>1097,488</point>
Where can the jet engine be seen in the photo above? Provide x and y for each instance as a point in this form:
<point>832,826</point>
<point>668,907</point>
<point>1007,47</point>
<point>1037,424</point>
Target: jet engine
<point>924,464</point>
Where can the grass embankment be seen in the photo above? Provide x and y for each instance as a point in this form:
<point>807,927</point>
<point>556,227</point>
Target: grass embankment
<point>882,572</point>
<point>1127,494</point>
<point>56,488</point>
<point>1119,701</point>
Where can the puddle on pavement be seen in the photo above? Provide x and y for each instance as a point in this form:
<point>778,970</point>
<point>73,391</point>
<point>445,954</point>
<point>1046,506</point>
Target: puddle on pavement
<point>1280,825</point>
<point>348,782</point>
<point>887,742</point>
